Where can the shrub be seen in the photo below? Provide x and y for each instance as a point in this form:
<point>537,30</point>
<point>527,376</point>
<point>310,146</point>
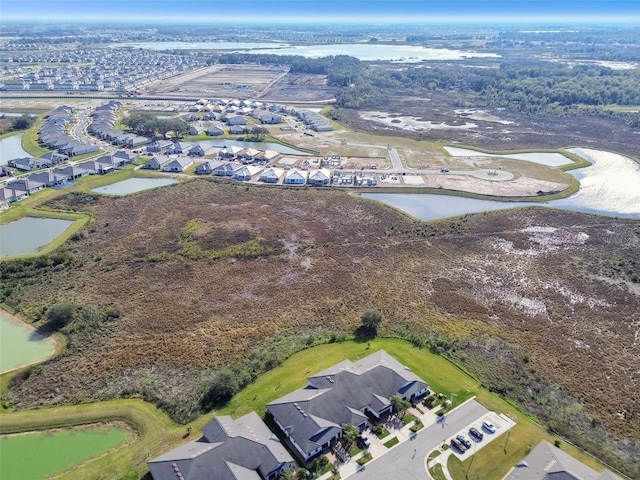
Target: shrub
<point>59,315</point>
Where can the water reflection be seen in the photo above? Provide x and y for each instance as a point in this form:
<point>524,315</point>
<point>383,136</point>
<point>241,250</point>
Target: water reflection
<point>610,186</point>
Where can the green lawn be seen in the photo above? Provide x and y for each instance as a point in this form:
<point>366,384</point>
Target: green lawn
<point>441,375</point>
<point>392,442</point>
<point>508,449</point>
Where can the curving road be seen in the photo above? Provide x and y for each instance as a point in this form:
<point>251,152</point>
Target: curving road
<point>407,460</point>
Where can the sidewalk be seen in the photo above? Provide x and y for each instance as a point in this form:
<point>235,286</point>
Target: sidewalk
<point>396,429</point>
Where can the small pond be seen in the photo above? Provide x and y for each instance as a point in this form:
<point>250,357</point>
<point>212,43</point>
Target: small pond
<point>276,147</point>
<point>39,455</point>
<point>610,186</point>
<point>20,345</point>
<point>551,159</point>
<point>11,148</point>
<point>30,234</point>
<point>134,185</point>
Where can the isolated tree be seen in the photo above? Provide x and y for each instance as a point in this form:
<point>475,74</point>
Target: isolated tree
<point>22,123</point>
<point>349,433</point>
<point>60,315</point>
<point>223,386</point>
<point>400,405</point>
<point>371,319</point>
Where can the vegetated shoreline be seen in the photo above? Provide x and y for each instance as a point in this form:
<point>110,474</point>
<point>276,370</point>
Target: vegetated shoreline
<point>58,340</point>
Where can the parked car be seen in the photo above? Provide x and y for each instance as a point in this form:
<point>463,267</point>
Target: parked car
<point>363,441</point>
<point>488,427</point>
<point>464,440</point>
<point>457,444</point>
<point>474,432</point>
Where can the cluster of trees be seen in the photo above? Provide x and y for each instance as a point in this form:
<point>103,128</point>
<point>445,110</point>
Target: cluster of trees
<point>22,122</point>
<point>153,127</point>
<point>533,88</point>
<point>341,70</point>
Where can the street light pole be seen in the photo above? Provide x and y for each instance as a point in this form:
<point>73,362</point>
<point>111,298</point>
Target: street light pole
<point>475,446</point>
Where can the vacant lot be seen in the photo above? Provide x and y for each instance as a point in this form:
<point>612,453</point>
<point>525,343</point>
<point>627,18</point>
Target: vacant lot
<point>219,81</point>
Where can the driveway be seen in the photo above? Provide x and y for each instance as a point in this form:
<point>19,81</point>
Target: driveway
<point>406,461</point>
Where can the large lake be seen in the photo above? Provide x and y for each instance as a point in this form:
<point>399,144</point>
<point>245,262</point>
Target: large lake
<point>20,345</point>
<point>30,234</point>
<point>134,185</point>
<point>11,148</point>
<point>362,51</point>
<point>610,186</point>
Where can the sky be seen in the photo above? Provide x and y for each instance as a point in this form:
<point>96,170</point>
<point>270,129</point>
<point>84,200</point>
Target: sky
<point>382,11</point>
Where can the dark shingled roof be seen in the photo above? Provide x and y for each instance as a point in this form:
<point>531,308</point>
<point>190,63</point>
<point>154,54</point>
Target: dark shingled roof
<point>242,449</point>
<point>340,395</point>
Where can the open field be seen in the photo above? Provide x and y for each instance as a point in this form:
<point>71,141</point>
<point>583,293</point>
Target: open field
<point>219,81</point>
<point>557,287</point>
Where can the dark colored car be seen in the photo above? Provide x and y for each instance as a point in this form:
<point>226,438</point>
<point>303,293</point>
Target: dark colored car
<point>464,440</point>
<point>474,432</point>
<point>457,444</point>
<point>363,441</point>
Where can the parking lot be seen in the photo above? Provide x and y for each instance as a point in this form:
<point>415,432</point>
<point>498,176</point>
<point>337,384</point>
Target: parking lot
<point>407,459</point>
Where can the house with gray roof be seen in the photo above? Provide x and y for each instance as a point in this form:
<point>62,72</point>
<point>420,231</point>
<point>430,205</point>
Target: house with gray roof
<point>208,167</point>
<point>215,131</point>
<point>54,158</point>
<point>320,177</point>
<point>312,417</point>
<point>271,175</point>
<point>241,449</point>
<point>72,171</point>
<point>226,169</point>
<point>548,462</point>
<point>49,178</point>
<point>156,162</point>
<point>295,177</point>
<point>179,164</point>
<point>28,163</point>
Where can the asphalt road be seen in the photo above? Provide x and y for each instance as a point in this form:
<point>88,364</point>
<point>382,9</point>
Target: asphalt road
<point>407,460</point>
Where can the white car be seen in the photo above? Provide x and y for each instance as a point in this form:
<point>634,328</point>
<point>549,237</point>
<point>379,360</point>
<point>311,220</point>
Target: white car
<point>489,427</point>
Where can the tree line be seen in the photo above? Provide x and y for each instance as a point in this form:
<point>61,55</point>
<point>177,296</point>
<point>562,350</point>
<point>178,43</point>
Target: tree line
<point>341,70</point>
<point>528,87</point>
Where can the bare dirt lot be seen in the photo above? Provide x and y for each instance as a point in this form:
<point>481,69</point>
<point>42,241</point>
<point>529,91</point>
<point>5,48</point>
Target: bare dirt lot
<point>300,88</point>
<point>219,81</point>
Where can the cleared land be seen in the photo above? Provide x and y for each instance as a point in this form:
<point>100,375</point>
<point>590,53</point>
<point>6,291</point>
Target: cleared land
<point>556,286</point>
<point>219,81</point>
